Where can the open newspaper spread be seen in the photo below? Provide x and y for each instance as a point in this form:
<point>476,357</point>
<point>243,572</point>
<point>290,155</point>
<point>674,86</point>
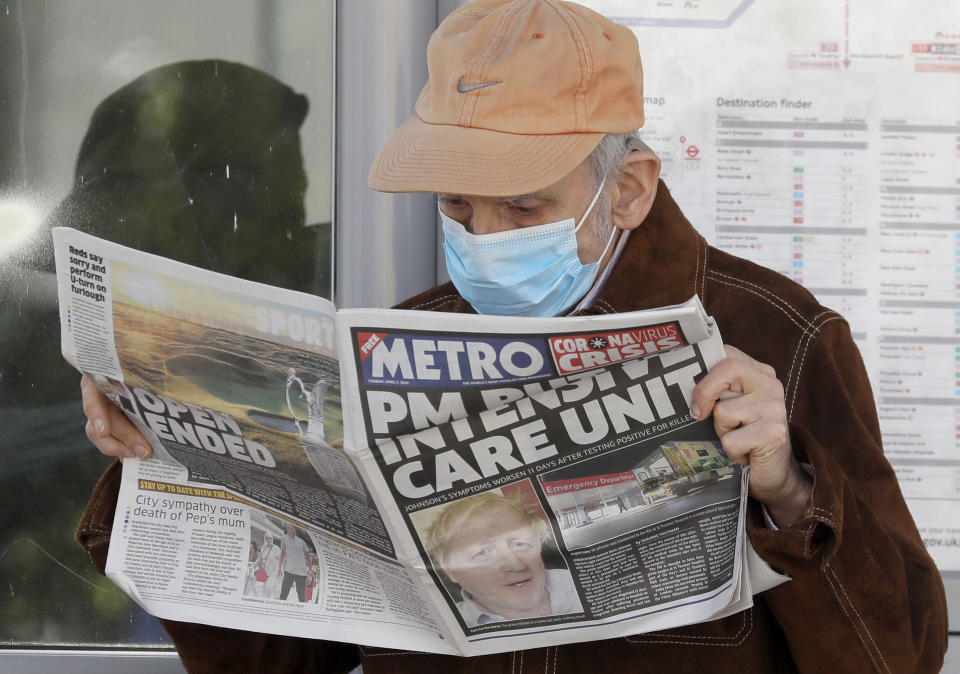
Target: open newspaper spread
<point>437,482</point>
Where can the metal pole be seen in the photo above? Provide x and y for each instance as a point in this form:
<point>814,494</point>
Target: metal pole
<point>386,245</point>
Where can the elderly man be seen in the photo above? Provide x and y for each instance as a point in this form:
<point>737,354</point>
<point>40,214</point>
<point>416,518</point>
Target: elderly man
<point>491,546</point>
<point>551,206</point>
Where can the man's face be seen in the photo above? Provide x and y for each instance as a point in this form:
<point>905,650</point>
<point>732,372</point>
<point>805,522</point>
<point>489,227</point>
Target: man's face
<point>496,558</point>
<point>268,541</point>
<point>568,198</point>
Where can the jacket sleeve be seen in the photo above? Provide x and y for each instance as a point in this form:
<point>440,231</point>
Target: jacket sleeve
<point>205,649</point>
<point>865,594</point>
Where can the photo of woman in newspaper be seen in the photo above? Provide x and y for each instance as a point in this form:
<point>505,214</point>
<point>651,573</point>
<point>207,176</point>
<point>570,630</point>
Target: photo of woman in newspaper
<point>491,548</point>
<point>268,577</point>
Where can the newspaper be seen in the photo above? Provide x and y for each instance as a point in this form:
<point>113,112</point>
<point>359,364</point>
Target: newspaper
<point>404,479</point>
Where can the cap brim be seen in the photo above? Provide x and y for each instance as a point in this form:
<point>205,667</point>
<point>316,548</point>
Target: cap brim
<point>422,157</point>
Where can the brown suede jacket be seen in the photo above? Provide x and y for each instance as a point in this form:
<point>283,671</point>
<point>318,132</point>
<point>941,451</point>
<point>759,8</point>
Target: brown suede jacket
<point>865,595</point>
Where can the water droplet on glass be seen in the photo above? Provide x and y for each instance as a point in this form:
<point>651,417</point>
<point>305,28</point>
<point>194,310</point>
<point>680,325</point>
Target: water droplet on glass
<point>190,199</point>
<point>234,223</point>
<point>228,171</point>
<point>289,235</point>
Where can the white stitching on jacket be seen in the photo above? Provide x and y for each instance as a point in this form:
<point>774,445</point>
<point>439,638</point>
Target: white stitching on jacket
<point>607,307</point>
<point>703,275</point>
<point>803,358</point>
<point>828,572</point>
<point>854,609</point>
<point>830,520</point>
<point>436,301</point>
<point>696,270</point>
<point>807,333</point>
<point>765,291</point>
<point>793,363</point>
<point>827,515</point>
<point>761,296</point>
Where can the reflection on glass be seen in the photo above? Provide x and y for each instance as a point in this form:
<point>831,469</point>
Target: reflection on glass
<point>197,160</point>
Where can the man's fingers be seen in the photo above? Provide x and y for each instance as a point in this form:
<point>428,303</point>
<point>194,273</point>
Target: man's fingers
<point>107,428</point>
<point>95,406</point>
<point>127,433</point>
<point>738,375</point>
<point>747,410</point>
<point>760,440</point>
<point>108,445</point>
<point>747,402</point>
<point>765,447</point>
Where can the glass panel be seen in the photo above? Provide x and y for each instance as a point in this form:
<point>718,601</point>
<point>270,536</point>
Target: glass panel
<point>199,131</point>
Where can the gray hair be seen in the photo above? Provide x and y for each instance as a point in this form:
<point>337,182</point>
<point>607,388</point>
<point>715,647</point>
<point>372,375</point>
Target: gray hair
<point>604,163</point>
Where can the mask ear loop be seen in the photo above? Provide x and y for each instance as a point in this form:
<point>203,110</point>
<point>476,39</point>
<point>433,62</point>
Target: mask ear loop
<point>590,207</point>
<point>613,233</point>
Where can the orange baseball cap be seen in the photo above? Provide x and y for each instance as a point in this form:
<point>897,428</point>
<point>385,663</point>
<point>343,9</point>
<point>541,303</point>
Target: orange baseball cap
<point>519,93</point>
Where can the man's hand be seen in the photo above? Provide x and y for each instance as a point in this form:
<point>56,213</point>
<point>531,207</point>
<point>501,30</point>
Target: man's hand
<point>107,428</point>
<point>753,429</point>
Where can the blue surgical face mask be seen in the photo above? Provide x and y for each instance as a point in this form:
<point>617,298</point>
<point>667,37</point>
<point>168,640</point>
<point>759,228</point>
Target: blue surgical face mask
<point>529,271</point>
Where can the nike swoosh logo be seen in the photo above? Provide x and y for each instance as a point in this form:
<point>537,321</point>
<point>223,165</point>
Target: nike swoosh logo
<point>467,88</point>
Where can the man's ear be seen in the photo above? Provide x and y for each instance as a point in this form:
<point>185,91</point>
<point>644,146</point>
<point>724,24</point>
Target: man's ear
<point>635,189</point>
